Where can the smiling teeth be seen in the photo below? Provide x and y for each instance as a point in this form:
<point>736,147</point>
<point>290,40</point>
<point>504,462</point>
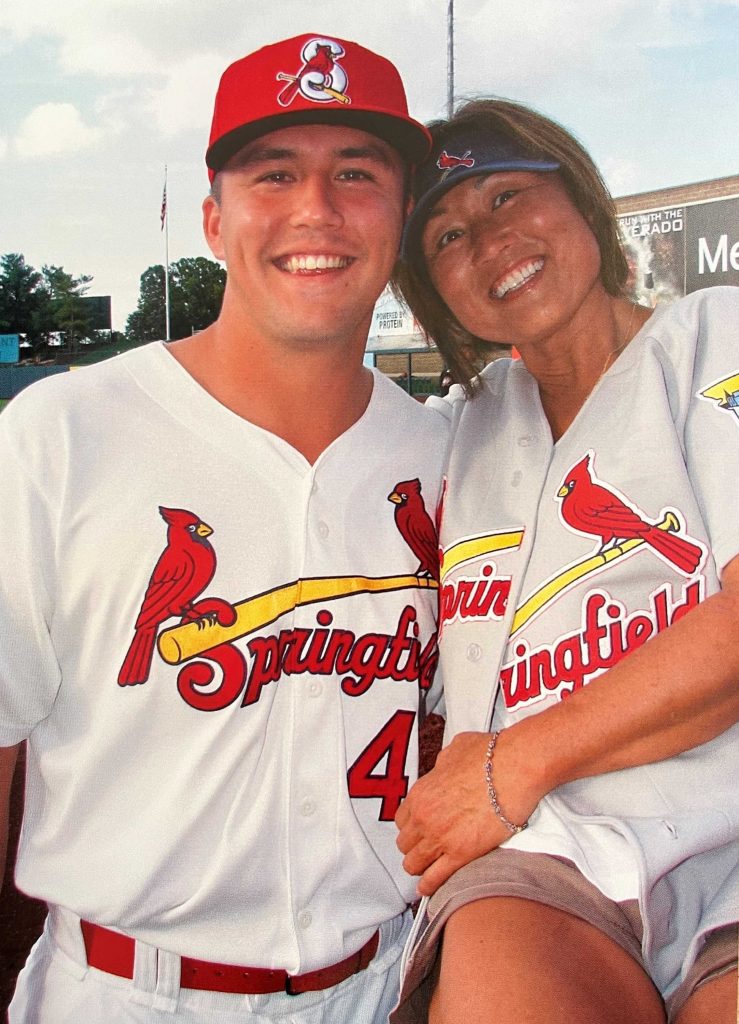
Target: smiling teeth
<point>518,277</point>
<point>294,264</point>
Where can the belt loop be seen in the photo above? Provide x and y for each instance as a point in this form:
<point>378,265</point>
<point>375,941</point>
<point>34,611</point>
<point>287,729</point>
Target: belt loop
<point>168,982</point>
<point>156,978</point>
<point>66,934</point>
<point>144,974</point>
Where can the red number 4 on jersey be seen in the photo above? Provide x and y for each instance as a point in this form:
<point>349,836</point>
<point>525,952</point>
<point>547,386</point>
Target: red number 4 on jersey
<point>390,785</point>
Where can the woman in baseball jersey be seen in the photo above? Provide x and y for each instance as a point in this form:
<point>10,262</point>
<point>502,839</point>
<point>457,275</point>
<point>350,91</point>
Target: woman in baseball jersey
<point>579,836</point>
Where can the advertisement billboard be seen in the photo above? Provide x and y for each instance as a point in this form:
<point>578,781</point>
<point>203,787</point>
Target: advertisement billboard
<point>394,328</point>
<point>676,250</point>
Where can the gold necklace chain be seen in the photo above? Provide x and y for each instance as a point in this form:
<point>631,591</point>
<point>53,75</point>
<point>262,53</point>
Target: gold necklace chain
<point>615,352</point>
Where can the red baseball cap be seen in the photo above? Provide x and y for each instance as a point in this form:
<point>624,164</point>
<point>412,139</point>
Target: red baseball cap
<point>311,79</point>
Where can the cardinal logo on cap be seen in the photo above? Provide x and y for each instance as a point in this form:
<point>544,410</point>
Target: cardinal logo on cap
<point>447,162</point>
<point>320,79</point>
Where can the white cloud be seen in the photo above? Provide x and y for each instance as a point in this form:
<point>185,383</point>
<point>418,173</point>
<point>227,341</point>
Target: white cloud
<point>43,17</point>
<point>517,51</point>
<point>621,175</point>
<point>105,52</point>
<point>92,38</point>
<point>54,128</point>
<point>186,99</point>
<point>3,146</point>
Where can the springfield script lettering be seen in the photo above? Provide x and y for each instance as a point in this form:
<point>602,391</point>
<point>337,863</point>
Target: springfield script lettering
<point>607,634</point>
<point>359,660</point>
<point>482,597</point>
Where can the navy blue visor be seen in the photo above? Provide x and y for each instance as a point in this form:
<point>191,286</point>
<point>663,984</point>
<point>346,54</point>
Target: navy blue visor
<point>457,158</point>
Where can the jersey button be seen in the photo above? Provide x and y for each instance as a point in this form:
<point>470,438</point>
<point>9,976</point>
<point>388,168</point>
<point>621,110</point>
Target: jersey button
<point>307,808</point>
<point>323,530</point>
<point>315,689</point>
<point>474,652</point>
<point>525,441</point>
<point>305,918</point>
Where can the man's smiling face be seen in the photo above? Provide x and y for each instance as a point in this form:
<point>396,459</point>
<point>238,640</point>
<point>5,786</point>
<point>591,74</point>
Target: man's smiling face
<point>308,222</point>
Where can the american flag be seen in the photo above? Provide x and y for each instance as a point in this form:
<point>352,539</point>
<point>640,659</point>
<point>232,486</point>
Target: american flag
<point>163,214</point>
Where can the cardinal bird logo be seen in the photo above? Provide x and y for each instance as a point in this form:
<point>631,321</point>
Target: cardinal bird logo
<point>447,162</point>
<point>416,526</point>
<point>590,508</point>
<point>183,571</point>
<point>320,78</point>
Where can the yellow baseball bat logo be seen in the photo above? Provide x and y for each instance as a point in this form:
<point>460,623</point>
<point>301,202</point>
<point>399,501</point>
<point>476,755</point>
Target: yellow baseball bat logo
<point>475,547</point>
<point>179,643</point>
<point>333,93</point>
<point>554,587</point>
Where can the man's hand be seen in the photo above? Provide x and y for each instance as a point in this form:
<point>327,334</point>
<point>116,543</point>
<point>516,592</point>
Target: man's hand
<point>446,820</point>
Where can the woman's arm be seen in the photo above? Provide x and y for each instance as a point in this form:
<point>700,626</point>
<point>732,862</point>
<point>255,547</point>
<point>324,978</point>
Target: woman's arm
<point>679,690</point>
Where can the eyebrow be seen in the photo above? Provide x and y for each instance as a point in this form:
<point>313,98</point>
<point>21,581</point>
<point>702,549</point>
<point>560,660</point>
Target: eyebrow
<point>436,211</point>
<point>368,152</point>
<point>257,154</point>
<point>477,183</point>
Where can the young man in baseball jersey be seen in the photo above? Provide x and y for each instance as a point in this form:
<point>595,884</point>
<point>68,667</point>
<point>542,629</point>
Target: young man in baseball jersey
<point>218,610</point>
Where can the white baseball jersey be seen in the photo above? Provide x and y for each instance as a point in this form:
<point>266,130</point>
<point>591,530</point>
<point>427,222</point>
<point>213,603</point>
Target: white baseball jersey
<point>538,597</point>
<point>218,653</point>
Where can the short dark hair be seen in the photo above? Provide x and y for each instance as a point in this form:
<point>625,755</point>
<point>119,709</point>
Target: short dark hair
<point>464,352</point>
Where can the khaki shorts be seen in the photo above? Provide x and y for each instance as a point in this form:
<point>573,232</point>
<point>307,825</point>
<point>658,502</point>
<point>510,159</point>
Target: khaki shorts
<point>557,883</point>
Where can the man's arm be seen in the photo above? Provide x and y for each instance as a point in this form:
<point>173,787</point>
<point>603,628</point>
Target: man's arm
<point>676,692</point>
<point>8,757</point>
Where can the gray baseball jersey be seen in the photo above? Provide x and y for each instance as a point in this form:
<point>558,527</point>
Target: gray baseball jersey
<point>538,597</point>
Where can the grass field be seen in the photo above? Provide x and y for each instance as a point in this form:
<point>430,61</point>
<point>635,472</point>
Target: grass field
<point>3,403</point>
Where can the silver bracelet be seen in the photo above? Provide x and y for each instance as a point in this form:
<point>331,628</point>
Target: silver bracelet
<point>492,795</point>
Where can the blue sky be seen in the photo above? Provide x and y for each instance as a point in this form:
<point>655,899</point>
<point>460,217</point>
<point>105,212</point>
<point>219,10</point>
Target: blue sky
<point>98,97</point>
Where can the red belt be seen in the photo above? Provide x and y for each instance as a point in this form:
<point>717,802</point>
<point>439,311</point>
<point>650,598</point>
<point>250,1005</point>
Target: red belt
<point>114,953</point>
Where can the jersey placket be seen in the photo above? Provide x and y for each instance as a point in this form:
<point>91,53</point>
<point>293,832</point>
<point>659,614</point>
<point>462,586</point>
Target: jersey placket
<point>316,770</point>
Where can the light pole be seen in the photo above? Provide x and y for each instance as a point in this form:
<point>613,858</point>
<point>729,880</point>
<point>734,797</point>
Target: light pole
<point>450,60</point>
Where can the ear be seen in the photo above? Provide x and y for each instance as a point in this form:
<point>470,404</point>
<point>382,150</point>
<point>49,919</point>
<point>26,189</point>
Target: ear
<point>212,227</point>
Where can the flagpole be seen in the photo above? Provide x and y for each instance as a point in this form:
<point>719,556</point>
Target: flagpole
<point>165,225</point>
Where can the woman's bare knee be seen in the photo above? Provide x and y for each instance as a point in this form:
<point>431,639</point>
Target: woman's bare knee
<point>504,960</point>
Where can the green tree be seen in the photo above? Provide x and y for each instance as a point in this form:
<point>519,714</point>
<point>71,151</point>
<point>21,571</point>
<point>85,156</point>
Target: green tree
<point>198,293</point>
<point>195,294</point>
<point>25,306</point>
<point>70,314</point>
<point>147,322</point>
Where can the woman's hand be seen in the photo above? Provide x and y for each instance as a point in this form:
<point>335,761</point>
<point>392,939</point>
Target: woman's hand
<point>447,821</point>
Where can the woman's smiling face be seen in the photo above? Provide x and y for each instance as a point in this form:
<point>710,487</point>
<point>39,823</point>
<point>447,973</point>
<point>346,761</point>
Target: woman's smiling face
<point>511,255</point>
